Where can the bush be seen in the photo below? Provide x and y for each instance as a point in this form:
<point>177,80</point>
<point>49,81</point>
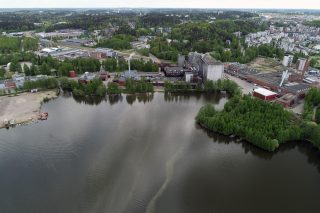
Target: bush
<point>113,88</point>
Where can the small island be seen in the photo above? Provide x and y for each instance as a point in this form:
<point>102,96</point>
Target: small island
<point>263,124</point>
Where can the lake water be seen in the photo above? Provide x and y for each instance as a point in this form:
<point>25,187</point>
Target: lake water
<point>146,154</point>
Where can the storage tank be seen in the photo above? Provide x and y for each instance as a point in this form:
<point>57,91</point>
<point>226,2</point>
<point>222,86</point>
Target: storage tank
<point>72,74</point>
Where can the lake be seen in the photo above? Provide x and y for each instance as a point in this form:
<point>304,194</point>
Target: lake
<point>135,154</point>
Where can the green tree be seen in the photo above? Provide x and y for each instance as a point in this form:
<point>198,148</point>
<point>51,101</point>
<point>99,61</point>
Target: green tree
<point>26,70</point>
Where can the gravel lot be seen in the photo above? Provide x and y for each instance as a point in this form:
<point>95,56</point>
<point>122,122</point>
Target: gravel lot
<point>22,108</point>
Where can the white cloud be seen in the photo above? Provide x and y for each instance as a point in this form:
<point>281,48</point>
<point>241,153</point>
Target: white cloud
<point>308,4</point>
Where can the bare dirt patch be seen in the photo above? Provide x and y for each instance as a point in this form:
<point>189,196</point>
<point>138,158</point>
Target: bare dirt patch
<point>24,107</point>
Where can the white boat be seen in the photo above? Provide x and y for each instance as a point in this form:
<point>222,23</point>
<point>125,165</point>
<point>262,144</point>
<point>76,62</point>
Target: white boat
<point>12,122</point>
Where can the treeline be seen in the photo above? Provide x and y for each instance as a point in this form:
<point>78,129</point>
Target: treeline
<point>111,65</point>
<point>114,65</point>
<point>208,86</point>
<point>13,22</point>
<point>314,23</point>
<point>141,86</point>
<point>20,56</point>
<point>80,65</point>
<point>13,44</point>
<point>48,65</point>
<point>50,83</point>
<point>222,85</point>
<point>180,86</point>
<point>131,87</point>
<point>312,105</point>
<point>260,123</point>
<point>92,88</point>
<point>52,66</point>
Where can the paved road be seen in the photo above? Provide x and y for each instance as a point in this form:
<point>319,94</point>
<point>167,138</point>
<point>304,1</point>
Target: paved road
<point>244,85</point>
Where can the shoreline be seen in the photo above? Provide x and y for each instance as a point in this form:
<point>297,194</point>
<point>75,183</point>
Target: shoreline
<point>23,108</point>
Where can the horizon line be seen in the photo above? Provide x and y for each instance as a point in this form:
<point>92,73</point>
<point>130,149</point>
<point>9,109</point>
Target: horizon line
<point>210,8</point>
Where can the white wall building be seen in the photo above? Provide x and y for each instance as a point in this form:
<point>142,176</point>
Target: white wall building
<point>212,69</point>
<point>287,60</point>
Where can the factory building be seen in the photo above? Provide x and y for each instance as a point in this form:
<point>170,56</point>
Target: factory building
<point>209,68</point>
<point>264,94</point>
<point>181,60</point>
<point>212,69</point>
<point>303,64</point>
<point>287,60</point>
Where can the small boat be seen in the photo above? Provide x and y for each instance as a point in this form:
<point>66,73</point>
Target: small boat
<point>43,116</point>
<point>12,122</point>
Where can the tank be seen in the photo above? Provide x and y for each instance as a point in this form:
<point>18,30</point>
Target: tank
<point>72,74</point>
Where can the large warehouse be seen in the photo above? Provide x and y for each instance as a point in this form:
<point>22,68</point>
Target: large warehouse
<point>264,94</point>
<point>212,69</point>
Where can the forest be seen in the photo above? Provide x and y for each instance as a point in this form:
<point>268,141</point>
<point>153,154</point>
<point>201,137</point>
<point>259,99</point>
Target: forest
<point>13,44</point>
<point>260,123</point>
<point>117,42</point>
<point>264,124</point>
<point>93,88</point>
<point>314,23</point>
<point>312,105</point>
<point>131,87</point>
<point>218,38</point>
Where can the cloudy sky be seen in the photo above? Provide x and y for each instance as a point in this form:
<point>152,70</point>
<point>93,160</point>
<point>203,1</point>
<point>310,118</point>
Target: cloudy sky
<point>307,4</point>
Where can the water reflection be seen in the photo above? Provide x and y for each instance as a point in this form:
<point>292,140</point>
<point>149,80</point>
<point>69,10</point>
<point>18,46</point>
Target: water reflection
<point>123,156</point>
<point>90,100</point>
<point>113,99</point>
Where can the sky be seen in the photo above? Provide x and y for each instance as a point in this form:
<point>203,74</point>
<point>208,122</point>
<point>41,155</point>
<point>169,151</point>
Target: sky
<point>286,4</point>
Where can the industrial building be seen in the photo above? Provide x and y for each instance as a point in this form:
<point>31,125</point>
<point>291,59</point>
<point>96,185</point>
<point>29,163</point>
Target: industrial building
<point>287,100</point>
<point>212,69</point>
<point>264,94</point>
<point>287,60</point>
<point>209,68</point>
<point>282,82</point>
<point>80,42</point>
<point>303,64</point>
<point>107,52</point>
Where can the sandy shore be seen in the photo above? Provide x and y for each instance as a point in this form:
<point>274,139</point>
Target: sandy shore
<point>22,108</point>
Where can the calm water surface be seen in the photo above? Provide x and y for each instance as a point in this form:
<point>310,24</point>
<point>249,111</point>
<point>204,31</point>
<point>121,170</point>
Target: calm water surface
<point>146,154</point>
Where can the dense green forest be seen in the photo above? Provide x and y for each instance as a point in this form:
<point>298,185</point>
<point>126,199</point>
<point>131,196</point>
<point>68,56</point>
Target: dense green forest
<point>20,56</point>
<point>50,83</point>
<point>315,23</point>
<point>260,123</point>
<point>117,42</point>
<point>218,38</point>
<point>312,105</point>
<point>264,124</point>
<point>93,88</point>
<point>97,19</point>
<point>131,87</point>
<point>12,44</point>
<point>141,86</point>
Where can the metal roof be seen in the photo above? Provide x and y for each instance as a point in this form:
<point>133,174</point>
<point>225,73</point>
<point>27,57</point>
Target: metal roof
<point>264,91</point>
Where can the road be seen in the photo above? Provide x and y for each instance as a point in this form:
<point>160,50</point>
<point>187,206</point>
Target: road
<point>244,85</point>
